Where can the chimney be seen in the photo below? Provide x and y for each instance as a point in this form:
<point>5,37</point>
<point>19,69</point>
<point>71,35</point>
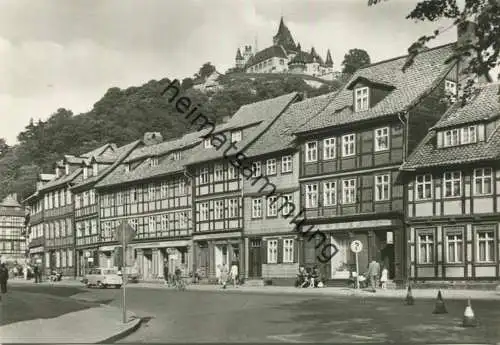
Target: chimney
<point>152,138</point>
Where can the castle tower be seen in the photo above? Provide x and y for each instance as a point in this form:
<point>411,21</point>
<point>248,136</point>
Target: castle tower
<point>240,62</point>
<point>284,38</point>
<point>329,60</point>
<point>247,54</point>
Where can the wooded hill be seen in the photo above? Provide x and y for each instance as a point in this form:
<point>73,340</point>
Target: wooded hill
<point>122,116</point>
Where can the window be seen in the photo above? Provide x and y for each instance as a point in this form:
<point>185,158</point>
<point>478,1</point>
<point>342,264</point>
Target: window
<point>382,139</point>
<point>469,135</point>
<point>288,206</point>
<point>164,222</point>
<point>483,181</point>
<point>329,193</point>
<point>361,98</point>
<point>423,187</point>
<point>272,209</point>
<point>288,250</point>
<point>235,136</point>
<point>256,208</point>
<point>152,224</point>
<point>207,143</point>
<point>219,209</point>
<point>233,208</point>
<point>163,190</point>
<point>485,246</point>
<point>454,248</point>
<point>231,172</point>
<point>451,138</point>
<point>381,187</point>
<point>204,176</point>
<point>329,148</point>
<point>182,187</point>
<point>272,251</point>
<point>70,258</point>
<point>348,145</point>
<point>154,161</point>
<point>286,164</point>
<point>450,87</point>
<point>452,184</point>
<point>425,249</point>
<point>256,169</point>
<point>183,220</point>
<point>271,167</point>
<point>311,195</point>
<point>218,172</point>
<point>204,211</point>
<point>349,191</point>
<point>311,151</point>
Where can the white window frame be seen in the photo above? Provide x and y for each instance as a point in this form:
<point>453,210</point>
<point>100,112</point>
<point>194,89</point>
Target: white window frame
<point>426,240</point>
<point>204,176</point>
<point>286,164</point>
<point>154,162</point>
<point>311,192</point>
<point>382,187</point>
<point>489,236</point>
<point>454,238</point>
<point>425,182</point>
<point>271,167</point>
<point>272,206</point>
<point>151,192</point>
<point>451,137</point>
<point>219,209</point>
<point>233,208</point>
<point>257,208</point>
<point>288,248</point>
<point>349,191</point>
<point>361,98</point>
<point>164,190</point>
<point>311,151</point>
<point>236,136</point>
<point>381,135</point>
<point>329,148</point>
<point>152,224</point>
<point>450,87</point>
<point>485,177</point>
<point>272,251</point>
<point>256,169</point>
<point>204,213</point>
<point>329,193</point>
<point>231,172</point>
<point>450,177</point>
<point>207,143</point>
<point>218,172</point>
<point>468,135</point>
<point>348,145</point>
<point>287,201</point>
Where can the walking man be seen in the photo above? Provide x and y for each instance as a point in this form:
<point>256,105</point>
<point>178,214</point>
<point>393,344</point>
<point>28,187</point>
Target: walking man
<point>4,276</point>
<point>374,273</point>
<point>165,272</point>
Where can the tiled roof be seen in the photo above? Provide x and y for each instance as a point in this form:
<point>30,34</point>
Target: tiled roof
<point>75,160</point>
<point>47,177</point>
<point>164,147</point>
<point>98,151</point>
<point>261,113</point>
<point>428,69</point>
<point>279,136</point>
<point>428,155</point>
<point>482,108</point>
<point>269,52</point>
<point>10,201</point>
<point>145,171</point>
<point>120,154</point>
<point>61,180</point>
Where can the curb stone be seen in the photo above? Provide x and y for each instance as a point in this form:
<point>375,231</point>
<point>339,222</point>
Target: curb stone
<point>126,332</point>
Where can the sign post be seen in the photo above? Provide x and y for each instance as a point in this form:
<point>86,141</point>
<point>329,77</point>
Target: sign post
<point>124,233</point>
<point>356,247</point>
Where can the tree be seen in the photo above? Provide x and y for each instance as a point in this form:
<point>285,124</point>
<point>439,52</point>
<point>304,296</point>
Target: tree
<point>354,60</point>
<point>187,83</point>
<point>482,54</point>
<point>205,70</point>
<point>3,147</point>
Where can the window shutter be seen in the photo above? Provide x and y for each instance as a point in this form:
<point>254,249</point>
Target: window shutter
<point>264,251</point>
<point>480,132</point>
<point>295,250</point>
<point>280,251</point>
<point>440,139</point>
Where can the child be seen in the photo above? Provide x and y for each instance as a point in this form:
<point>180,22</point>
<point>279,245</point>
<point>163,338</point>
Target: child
<point>383,278</point>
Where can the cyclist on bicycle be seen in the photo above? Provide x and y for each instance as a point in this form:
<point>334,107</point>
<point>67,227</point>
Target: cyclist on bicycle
<point>178,278</point>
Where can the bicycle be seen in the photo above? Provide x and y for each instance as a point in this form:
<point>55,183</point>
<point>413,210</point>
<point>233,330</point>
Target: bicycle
<point>180,284</point>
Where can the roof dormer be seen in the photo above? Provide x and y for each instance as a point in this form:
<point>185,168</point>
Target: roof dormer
<point>367,93</point>
<point>361,98</point>
<point>469,134</point>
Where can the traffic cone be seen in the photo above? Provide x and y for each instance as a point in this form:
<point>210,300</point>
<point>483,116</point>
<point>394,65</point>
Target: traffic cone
<point>440,307</point>
<point>469,318</point>
<point>409,297</point>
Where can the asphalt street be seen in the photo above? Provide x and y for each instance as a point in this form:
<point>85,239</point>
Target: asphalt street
<point>223,316</point>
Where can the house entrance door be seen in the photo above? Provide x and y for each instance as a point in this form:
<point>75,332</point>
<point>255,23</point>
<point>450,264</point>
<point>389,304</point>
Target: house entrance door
<point>255,259</point>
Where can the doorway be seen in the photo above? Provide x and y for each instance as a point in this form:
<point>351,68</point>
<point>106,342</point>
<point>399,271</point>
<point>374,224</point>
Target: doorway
<point>386,247</point>
<point>255,259</point>
<point>221,257</point>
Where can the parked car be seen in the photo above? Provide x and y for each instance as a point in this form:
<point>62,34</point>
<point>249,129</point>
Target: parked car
<point>103,277</point>
<point>132,274</point>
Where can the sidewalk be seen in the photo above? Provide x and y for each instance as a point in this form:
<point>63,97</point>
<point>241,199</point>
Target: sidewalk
<point>94,325</point>
<point>327,291</point>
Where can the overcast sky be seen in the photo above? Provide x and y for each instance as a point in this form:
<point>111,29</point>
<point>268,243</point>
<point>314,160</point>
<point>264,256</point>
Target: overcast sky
<point>59,53</point>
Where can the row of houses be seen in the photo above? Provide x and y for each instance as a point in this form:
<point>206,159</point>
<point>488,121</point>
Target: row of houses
<point>390,160</point>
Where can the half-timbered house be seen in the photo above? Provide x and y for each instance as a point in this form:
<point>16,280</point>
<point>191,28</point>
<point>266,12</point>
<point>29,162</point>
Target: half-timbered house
<point>150,191</point>
<point>218,202</point>
<point>350,157</point>
<point>453,181</point>
<point>12,217</point>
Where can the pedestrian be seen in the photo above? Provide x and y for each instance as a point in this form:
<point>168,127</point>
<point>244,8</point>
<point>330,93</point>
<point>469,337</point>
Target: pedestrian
<point>36,274</point>
<point>384,277</point>
<point>223,275</point>
<point>165,272</point>
<point>234,273</point>
<point>218,271</point>
<point>4,276</point>
<point>373,274</point>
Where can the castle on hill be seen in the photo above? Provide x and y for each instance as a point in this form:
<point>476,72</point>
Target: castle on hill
<point>284,56</point>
